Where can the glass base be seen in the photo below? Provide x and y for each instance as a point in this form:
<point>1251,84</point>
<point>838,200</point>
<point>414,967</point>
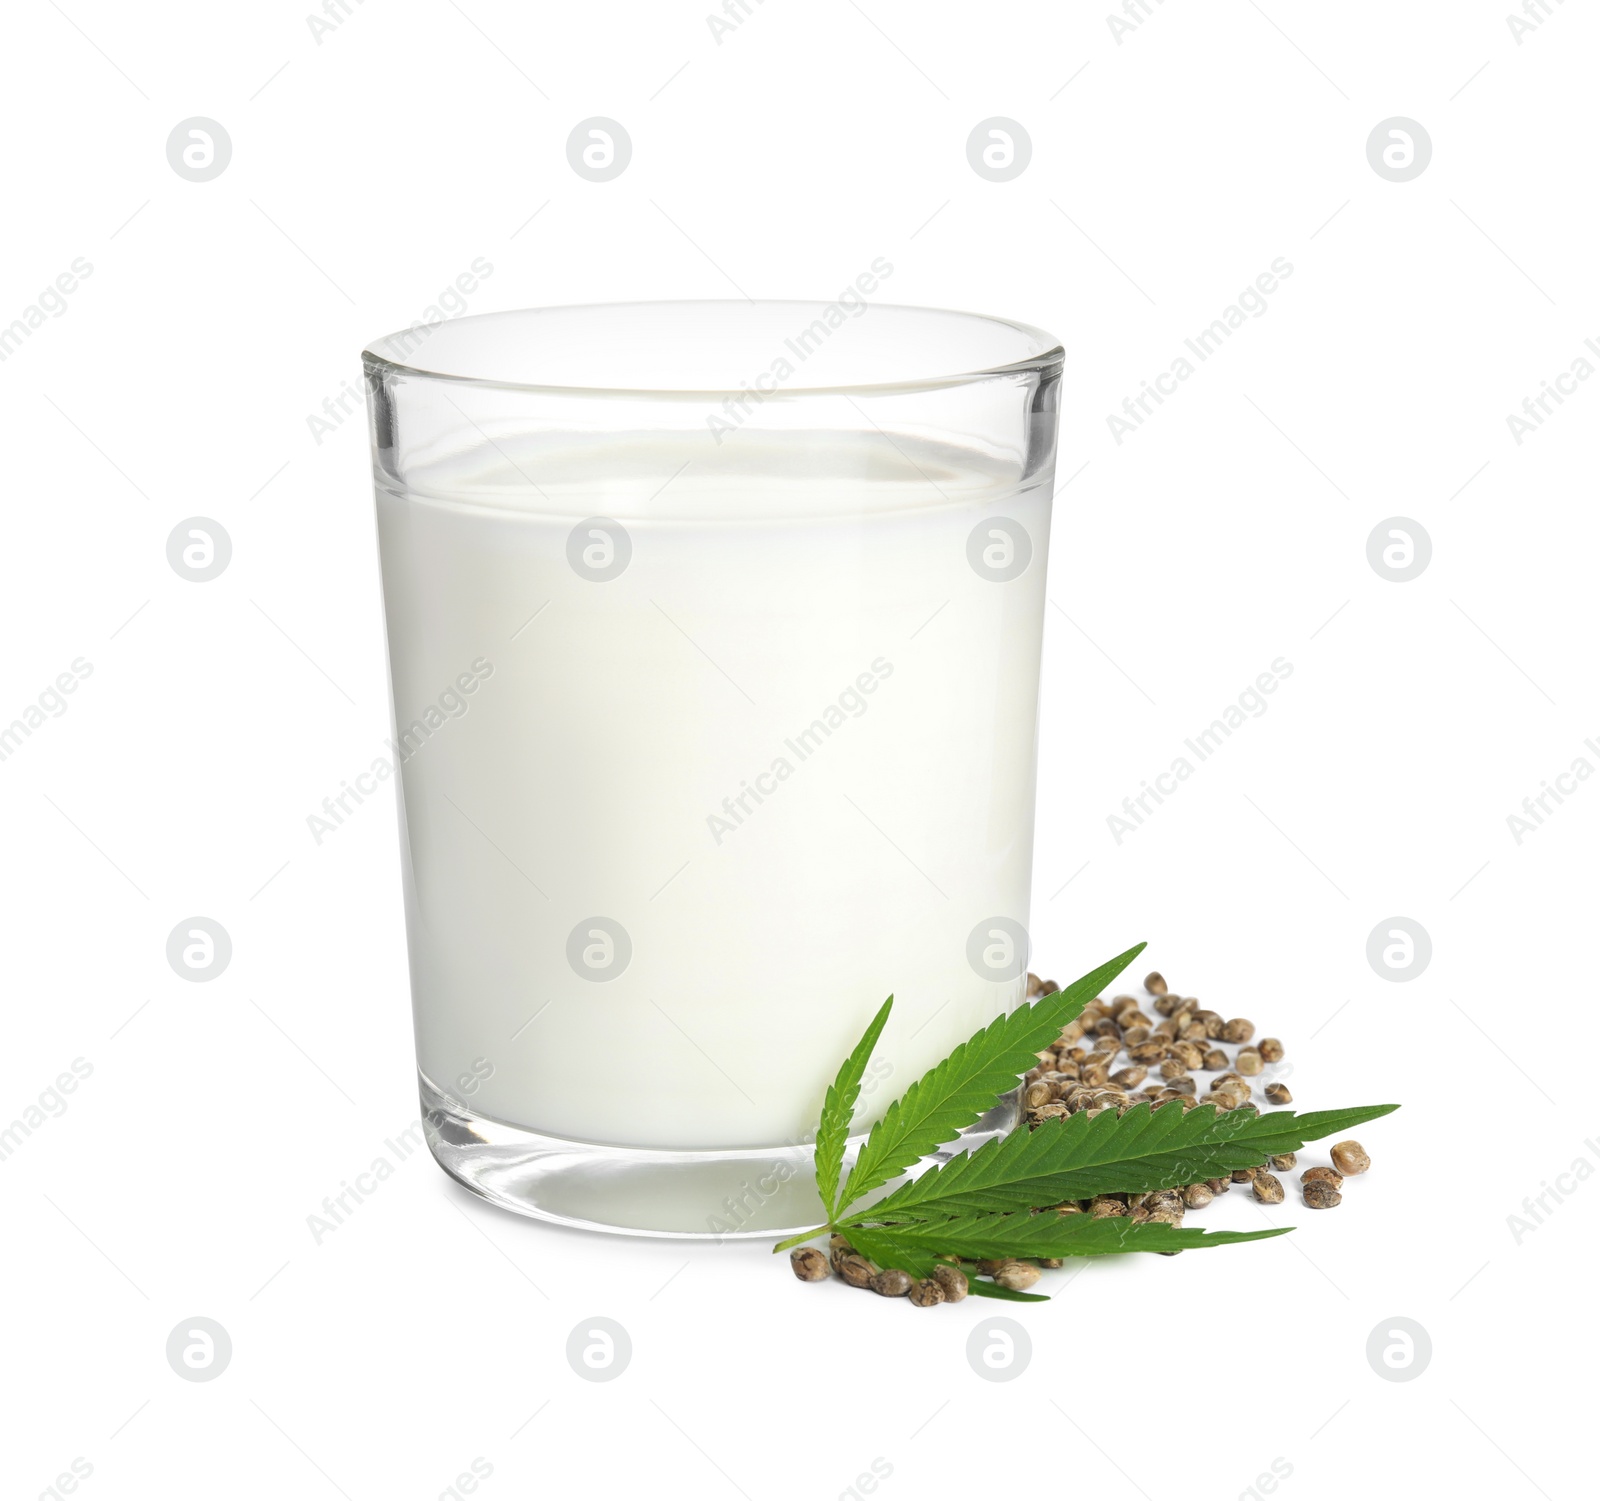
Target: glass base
<point>764,1193</point>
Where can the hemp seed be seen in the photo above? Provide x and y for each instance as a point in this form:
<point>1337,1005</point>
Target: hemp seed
<point>1154,983</point>
<point>854,1270</point>
<point>1281,1162</point>
<point>1248,1062</point>
<point>1018,1276</point>
<point>952,1280</point>
<point>891,1282</point>
<point>1238,1030</point>
<point>1197,1196</point>
<point>1270,1049</point>
<point>1267,1188</point>
<point>808,1264</point>
<point>1350,1157</point>
<point>1319,1194</point>
<point>926,1293</point>
<point>1278,1094</point>
<point>1322,1175</point>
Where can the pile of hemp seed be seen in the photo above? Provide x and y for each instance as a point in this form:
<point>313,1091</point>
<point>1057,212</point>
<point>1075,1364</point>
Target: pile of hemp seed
<point>1083,1073</point>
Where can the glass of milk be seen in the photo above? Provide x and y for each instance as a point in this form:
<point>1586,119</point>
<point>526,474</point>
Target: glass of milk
<point>714,634</point>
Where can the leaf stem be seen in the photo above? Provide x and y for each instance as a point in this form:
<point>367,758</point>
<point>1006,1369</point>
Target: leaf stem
<point>805,1235</point>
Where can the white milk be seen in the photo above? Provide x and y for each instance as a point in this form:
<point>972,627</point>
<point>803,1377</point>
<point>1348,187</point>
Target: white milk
<point>788,751</point>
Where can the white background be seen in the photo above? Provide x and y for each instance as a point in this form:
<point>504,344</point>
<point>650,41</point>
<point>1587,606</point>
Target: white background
<point>1168,170</point>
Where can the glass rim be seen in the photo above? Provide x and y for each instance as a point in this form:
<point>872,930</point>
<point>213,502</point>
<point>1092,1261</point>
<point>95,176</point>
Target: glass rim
<point>1046,351</point>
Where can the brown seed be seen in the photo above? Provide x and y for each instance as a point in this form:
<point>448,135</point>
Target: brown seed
<point>1194,1031</point>
<point>1238,1030</point>
<point>1218,1185</point>
<point>1281,1162</point>
<point>952,1279</point>
<point>1267,1188</point>
<point>891,1282</point>
<point>808,1264</point>
<point>1135,1035</point>
<point>1166,1216</point>
<point>1173,1068</point>
<point>1243,1175</point>
<point>1322,1175</point>
<point>1103,1207</point>
<point>1184,1086</point>
<point>1049,988</point>
<point>1163,1198</point>
<point>1197,1196</point>
<point>1054,1111</point>
<point>1320,1195</point>
<point>1038,1093</point>
<point>1215,1060</point>
<point>1129,1078</point>
<point>1166,1004</point>
<point>1350,1157</point>
<point>854,1270</point>
<point>1154,983</point>
<point>926,1293</point>
<point>1270,1049</point>
<point>1094,1075</point>
<point>1017,1275</point>
<point>1247,1109</point>
<point>1278,1094</point>
<point>1248,1062</point>
<point>1108,1029</point>
<point>1215,1025</point>
<point>989,1268</point>
<point>1051,1263</point>
<point>1035,985</point>
<point>1188,1054</point>
<point>1151,1051</point>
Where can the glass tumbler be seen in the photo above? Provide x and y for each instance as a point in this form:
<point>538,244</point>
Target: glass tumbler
<point>714,634</point>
